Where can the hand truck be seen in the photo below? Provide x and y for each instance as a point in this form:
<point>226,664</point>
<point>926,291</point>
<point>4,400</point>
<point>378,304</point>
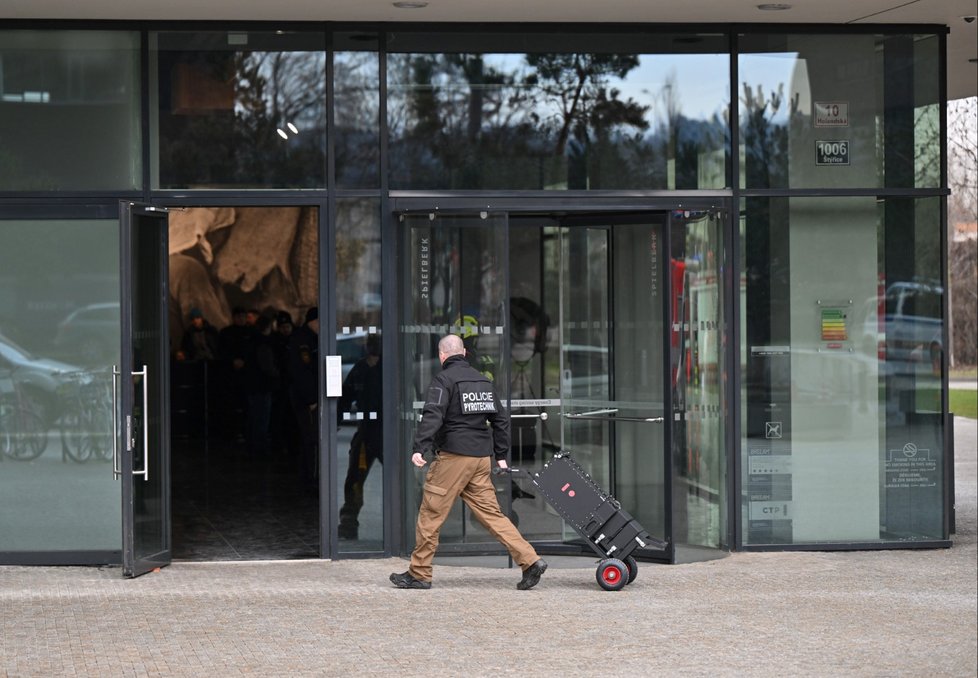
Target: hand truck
<point>596,516</point>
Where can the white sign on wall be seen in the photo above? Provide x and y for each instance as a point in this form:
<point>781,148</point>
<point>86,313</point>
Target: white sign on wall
<point>831,114</point>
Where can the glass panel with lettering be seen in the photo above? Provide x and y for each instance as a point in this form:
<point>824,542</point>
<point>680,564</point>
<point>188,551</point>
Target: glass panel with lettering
<point>360,442</point>
<point>699,379</point>
<point>839,111</point>
<point>842,361</point>
<point>453,275</point>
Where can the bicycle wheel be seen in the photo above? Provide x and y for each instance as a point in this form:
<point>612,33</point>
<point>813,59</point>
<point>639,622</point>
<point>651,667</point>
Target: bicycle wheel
<point>100,435</point>
<point>30,436</point>
<point>73,437</point>
<point>6,437</point>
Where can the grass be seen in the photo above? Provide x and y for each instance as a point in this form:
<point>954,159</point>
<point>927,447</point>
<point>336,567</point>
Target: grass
<point>964,372</point>
<point>963,403</point>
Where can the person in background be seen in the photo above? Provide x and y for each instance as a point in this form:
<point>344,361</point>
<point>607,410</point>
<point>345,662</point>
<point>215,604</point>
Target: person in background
<point>200,340</point>
<point>362,398</point>
<point>304,384</point>
<point>261,380</point>
<point>283,428</point>
<point>233,348</point>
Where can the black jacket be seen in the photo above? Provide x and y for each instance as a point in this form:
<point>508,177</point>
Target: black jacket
<point>304,366</point>
<point>460,402</point>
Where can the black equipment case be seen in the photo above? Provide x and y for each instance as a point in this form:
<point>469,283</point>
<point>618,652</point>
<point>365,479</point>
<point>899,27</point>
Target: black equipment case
<point>596,516</point>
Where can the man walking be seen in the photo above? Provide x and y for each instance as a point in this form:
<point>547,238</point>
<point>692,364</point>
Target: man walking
<point>460,402</point>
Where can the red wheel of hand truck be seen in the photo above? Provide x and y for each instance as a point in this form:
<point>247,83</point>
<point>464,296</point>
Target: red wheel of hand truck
<point>612,574</point>
<point>632,566</point>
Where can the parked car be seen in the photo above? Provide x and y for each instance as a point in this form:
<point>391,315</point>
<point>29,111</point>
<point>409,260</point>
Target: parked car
<point>37,379</point>
<point>90,334</point>
<point>350,347</point>
<point>910,332</point>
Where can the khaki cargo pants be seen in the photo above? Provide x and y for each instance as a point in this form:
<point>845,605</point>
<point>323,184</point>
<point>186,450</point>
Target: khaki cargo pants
<point>449,476</point>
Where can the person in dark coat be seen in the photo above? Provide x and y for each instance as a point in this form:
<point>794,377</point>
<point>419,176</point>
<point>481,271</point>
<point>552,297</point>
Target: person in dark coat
<point>233,349</point>
<point>304,386</point>
<point>200,340</point>
<point>283,428</point>
<point>362,399</point>
<point>261,378</point>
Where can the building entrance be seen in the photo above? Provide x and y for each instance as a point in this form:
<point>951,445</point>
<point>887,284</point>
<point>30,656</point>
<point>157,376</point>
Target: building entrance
<point>582,321</point>
<point>243,309</point>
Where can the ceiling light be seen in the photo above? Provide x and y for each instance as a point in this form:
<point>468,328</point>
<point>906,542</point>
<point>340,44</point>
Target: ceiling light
<point>773,6</point>
<point>295,130</point>
<point>282,133</point>
<point>414,4</point>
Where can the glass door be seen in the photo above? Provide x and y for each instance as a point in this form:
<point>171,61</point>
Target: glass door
<point>698,369</point>
<point>605,334</point>
<point>454,279</point>
<point>613,376</point>
<point>141,388</point>
<point>589,352</point>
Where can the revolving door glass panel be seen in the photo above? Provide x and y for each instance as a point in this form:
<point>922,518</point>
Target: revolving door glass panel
<point>612,361</point>
<point>588,361</point>
<point>453,272</point>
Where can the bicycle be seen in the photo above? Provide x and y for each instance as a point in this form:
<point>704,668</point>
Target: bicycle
<point>85,426</point>
<point>23,435</point>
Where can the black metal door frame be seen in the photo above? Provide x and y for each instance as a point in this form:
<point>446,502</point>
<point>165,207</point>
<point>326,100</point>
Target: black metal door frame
<point>574,207</point>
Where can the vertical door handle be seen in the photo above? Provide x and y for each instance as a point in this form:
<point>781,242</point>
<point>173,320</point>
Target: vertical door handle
<point>145,424</point>
<point>116,470</point>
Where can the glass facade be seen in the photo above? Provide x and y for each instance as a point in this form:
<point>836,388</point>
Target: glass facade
<point>59,339</point>
<point>698,366</point>
<point>238,109</point>
<point>359,342</point>
<point>839,111</point>
<point>809,269</point>
<point>356,110</point>
<point>452,279</point>
<point>73,99</point>
<point>841,361</point>
<point>652,114</point>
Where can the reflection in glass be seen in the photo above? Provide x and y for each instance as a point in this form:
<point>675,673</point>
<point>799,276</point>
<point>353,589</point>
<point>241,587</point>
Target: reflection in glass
<point>150,483</point>
<point>59,337</point>
<point>557,120</point>
<point>698,364</point>
<point>73,97</point>
<point>839,111</point>
<point>359,451</point>
<point>238,109</point>
<point>356,118</point>
<point>453,280</point>
<point>842,361</point>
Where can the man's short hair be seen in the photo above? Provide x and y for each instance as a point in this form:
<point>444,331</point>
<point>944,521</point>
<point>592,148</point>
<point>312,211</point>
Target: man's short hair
<point>451,344</point>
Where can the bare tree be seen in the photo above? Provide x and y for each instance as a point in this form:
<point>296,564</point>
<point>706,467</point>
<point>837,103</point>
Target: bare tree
<point>962,176</point>
<point>962,165</point>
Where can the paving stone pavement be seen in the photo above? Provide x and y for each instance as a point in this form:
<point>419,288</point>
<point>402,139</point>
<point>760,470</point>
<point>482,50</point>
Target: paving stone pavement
<point>869,613</point>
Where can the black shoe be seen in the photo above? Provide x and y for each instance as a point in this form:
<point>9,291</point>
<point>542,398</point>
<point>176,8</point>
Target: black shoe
<point>532,574</point>
<point>404,580</point>
<point>348,531</point>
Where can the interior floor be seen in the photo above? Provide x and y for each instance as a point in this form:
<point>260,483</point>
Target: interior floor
<point>228,505</point>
